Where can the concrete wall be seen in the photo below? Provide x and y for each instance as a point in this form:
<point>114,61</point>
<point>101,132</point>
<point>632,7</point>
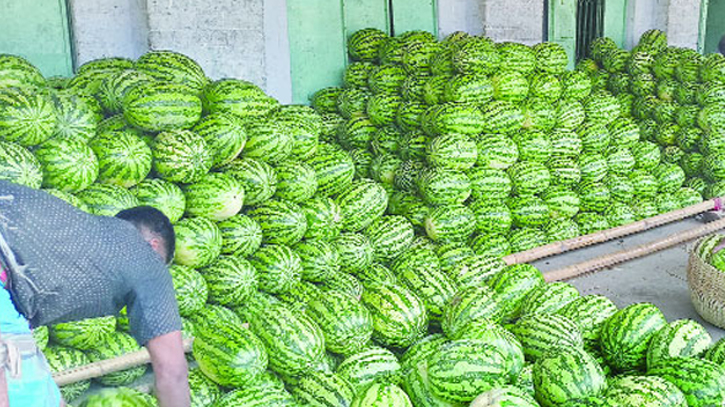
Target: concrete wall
<point>519,21</point>
<point>683,22</point>
<point>105,28</point>
<point>502,20</point>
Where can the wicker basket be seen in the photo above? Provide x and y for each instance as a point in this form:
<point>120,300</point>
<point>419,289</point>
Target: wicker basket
<point>707,289</point>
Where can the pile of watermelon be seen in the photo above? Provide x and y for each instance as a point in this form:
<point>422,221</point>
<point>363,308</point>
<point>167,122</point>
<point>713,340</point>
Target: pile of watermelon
<point>349,253</point>
<point>498,145</point>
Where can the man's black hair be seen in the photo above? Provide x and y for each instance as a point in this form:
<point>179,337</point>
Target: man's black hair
<point>156,222</point>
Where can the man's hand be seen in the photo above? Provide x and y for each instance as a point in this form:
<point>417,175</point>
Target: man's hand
<point>170,370</point>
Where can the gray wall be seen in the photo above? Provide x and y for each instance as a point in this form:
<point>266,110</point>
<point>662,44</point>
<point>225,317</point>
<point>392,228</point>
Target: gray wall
<point>502,20</point>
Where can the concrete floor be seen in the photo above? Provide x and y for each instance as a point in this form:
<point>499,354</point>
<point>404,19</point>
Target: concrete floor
<point>659,278</point>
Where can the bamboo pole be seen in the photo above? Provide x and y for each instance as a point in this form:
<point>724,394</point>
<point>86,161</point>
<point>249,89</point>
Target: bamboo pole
<point>104,367</point>
<point>598,263</point>
<point>611,234</point>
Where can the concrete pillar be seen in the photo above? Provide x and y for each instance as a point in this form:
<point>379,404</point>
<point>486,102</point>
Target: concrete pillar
<point>683,23</point>
<point>108,28</point>
<point>519,21</point>
<point>460,15</point>
<point>644,15</point>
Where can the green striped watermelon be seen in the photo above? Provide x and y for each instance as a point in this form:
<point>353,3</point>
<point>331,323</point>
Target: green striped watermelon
<point>162,195</point>
<point>198,242</point>
<point>230,355</point>
<point>585,377</point>
<point>123,158</point>
<point>541,333</point>
<point>115,345</point>
<point>701,381</point>
<point>26,116</point>
<point>626,335</point>
<point>231,280</point>
<point>19,165</point>
<point>374,364</point>
<point>238,97</point>
<point>277,266</point>
<point>346,324</point>
<point>161,106</point>
<point>16,71</point>
<point>191,289</point>
<point>84,334</point>
<point>62,358</point>
<point>107,199</point>
<point>399,316</point>
<point>181,156</point>
<point>685,338</point>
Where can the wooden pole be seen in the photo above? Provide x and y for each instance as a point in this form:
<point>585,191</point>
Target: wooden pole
<point>598,263</point>
<point>104,367</point>
<point>611,234</point>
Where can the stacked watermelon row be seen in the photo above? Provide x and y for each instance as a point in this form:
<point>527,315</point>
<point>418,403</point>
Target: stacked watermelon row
<point>317,268</point>
<point>535,153</point>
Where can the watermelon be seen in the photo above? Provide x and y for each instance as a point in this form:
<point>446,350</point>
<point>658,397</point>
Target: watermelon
<point>440,186</point>
<point>225,137</point>
<point>420,271</point>
<point>381,395</point>
<point>172,67</point>
<point>68,165</point>
<point>374,364</point>
<point>390,235</point>
<point>626,335</point>
<point>19,165</point>
<point>216,196</point>
<point>120,396</point>
<point>450,223</point>
<point>560,230</point>
<point>346,324</point>
<point>355,251</point>
<point>501,116</point>
<point>682,338</point>
<point>293,342</point>
<point>644,390</point>
<point>84,334</point>
<point>231,280</point>
<point>116,345</point>
<point>198,242</point>
<point>238,97</point>
<point>364,44</point>
<point>191,289</point>
<point>526,238</point>
<point>356,74</point>
<point>325,100</point>
<point>541,333</point>
<point>107,199</point>
<point>230,355</point>
<point>463,369</point>
<point>361,203</point>
<point>585,377</point>
<point>28,117</point>
<point>399,316</point>
<point>492,216</point>
<point>268,141</point>
<point>504,396</point>
<point>701,381</point>
<point>334,169</point>
<point>204,391</point>
<point>496,151</point>
<point>562,202</point>
<point>277,266</point>
<point>62,358</point>
<point>476,56</point>
<point>510,86</point>
<point>181,156</point>
<point>529,211</point>
<point>123,158</point>
<point>161,106</point>
<point>256,397</point>
<point>513,284</point>
<point>16,71</point>
<point>162,195</point>
<point>452,151</point>
<point>529,177</point>
<point>549,298</point>
<point>282,222</point>
<point>468,306</point>
<point>323,218</point>
<point>468,89</point>
<point>323,389</point>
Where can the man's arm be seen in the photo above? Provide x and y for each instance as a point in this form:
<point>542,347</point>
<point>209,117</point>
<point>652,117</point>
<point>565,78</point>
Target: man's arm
<point>170,370</point>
